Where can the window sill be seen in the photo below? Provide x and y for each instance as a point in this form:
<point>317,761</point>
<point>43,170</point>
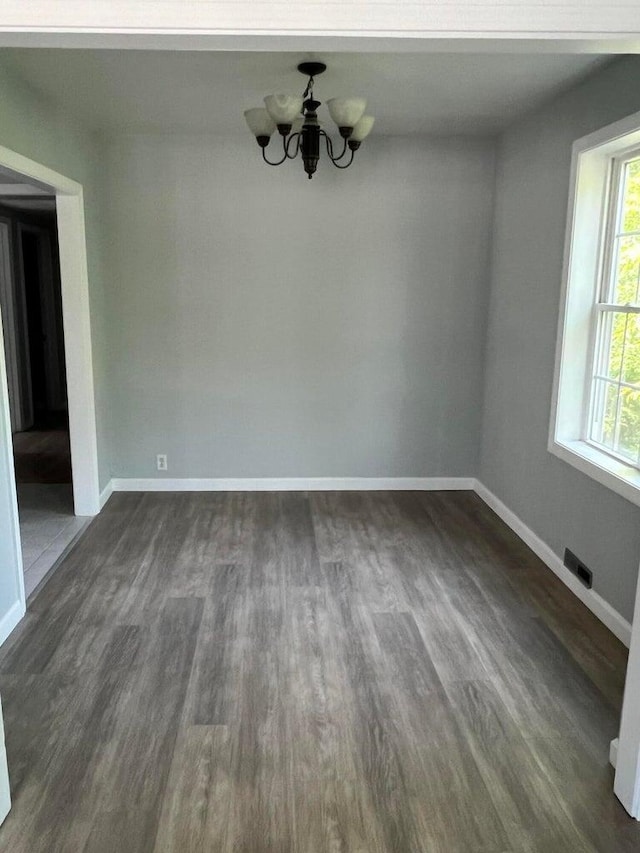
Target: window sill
<point>609,472</point>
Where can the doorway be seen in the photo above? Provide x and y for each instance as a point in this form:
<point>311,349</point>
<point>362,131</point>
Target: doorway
<point>32,317</point>
<point>42,239</point>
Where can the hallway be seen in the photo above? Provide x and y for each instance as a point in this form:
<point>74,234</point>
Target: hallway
<point>48,527</point>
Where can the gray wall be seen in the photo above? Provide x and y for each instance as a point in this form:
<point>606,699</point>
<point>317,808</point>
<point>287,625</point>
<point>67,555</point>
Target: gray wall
<point>563,506</point>
<point>265,325</point>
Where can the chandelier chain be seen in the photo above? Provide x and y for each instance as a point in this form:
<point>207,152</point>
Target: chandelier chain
<point>309,90</point>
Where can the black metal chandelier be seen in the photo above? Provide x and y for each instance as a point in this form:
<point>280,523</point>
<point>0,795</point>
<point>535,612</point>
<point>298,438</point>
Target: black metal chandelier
<point>297,121</point>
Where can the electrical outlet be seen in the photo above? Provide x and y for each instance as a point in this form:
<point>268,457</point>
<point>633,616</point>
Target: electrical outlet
<point>161,461</point>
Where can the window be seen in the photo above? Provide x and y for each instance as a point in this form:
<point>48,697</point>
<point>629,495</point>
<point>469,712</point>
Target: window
<point>595,420</point>
<point>614,413</point>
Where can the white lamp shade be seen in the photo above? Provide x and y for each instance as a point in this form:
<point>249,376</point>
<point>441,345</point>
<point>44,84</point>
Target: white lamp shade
<point>283,109</point>
<point>346,112</point>
<point>260,122</point>
<point>362,128</point>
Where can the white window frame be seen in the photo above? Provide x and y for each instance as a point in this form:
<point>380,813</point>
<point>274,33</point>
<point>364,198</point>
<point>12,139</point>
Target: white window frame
<point>593,159</point>
<point>604,303</point>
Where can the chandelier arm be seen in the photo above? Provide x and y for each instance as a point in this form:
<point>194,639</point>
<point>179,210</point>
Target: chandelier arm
<point>278,162</point>
<point>344,151</point>
<point>293,136</point>
<point>344,165</point>
<point>329,142</point>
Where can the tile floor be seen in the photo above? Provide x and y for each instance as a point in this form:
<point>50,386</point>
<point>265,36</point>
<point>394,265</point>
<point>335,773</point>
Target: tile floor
<point>47,528</point>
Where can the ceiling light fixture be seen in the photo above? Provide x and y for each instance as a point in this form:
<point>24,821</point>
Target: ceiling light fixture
<point>297,121</point>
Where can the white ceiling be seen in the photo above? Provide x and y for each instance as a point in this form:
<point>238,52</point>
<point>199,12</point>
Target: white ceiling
<point>33,205</point>
<point>9,177</point>
<point>16,191</point>
<point>432,93</point>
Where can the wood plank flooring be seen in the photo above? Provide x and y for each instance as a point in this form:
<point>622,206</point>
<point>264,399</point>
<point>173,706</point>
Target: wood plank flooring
<point>343,672</point>
<point>42,456</point>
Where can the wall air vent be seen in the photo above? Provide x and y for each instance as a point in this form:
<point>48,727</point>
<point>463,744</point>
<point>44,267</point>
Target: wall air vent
<point>578,568</point>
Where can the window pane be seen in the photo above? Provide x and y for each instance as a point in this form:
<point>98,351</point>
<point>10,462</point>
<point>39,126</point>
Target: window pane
<point>604,412</point>
<point>626,287</point>
<point>631,361</point>
<point>615,398</point>
<point>612,337</point>
<point>628,443</point>
<point>631,204</point>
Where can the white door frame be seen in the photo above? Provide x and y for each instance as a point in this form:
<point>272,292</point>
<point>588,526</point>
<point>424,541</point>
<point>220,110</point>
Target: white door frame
<point>77,326</point>
<point>627,779</point>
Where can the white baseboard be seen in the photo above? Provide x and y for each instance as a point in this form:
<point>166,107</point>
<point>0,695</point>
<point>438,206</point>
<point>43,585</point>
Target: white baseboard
<point>106,493</point>
<point>11,619</point>
<point>613,752</point>
<point>616,623</point>
<point>293,484</point>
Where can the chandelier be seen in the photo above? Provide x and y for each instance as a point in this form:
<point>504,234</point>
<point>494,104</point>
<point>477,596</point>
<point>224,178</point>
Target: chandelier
<point>297,121</point>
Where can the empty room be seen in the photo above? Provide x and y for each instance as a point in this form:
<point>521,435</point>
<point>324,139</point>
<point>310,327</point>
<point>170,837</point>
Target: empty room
<point>342,425</point>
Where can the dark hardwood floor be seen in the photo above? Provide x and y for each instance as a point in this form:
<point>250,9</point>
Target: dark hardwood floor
<point>264,673</point>
<point>42,456</point>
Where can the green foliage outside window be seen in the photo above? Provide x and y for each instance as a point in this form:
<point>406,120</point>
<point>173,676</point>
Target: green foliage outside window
<point>624,352</point>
